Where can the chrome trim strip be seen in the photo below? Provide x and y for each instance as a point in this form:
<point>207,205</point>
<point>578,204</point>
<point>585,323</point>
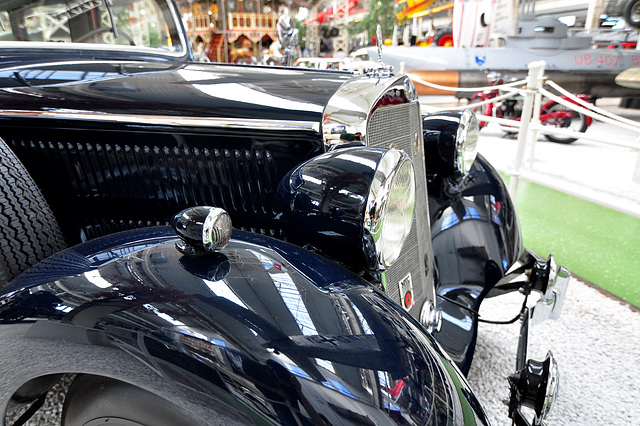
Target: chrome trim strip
<point>166,120</point>
<point>92,47</point>
<point>180,27</point>
<point>62,63</point>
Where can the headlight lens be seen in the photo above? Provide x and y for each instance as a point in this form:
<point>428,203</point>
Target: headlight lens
<point>355,204</point>
<point>451,142</point>
<point>390,205</point>
<point>467,141</point>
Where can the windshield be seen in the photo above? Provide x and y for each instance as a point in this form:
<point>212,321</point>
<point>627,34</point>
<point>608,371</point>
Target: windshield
<point>125,24</point>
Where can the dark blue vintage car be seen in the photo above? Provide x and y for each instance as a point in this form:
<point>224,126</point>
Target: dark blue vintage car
<point>247,244</point>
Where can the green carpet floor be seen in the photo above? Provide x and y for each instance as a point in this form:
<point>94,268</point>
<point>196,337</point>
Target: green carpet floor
<point>597,244</point>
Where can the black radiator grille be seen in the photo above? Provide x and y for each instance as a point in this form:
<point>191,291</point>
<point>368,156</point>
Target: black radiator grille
<point>122,186</point>
<point>238,180</point>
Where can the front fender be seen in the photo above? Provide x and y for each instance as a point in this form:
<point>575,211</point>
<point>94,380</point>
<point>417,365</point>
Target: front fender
<point>261,332</point>
<point>476,239</point>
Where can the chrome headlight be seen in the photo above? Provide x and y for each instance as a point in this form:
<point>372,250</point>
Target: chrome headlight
<point>467,140</point>
<point>353,204</point>
<point>390,205</point>
<point>451,142</point>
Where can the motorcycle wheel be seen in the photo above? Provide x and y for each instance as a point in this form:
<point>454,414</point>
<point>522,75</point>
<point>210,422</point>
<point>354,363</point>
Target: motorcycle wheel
<point>577,122</point>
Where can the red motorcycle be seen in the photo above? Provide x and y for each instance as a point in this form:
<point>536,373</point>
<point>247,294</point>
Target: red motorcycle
<point>552,114</point>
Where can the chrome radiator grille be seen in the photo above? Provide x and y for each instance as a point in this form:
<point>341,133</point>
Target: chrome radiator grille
<point>399,126</point>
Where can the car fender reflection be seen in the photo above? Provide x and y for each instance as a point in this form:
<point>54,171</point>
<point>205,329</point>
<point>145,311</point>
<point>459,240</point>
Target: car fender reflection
<point>259,332</point>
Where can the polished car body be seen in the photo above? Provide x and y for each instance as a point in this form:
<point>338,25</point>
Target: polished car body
<point>248,333</point>
<point>365,235</point>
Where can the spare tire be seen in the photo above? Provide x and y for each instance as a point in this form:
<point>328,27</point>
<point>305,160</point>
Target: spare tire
<point>29,231</point>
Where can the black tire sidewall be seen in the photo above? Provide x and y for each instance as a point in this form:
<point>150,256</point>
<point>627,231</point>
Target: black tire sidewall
<point>629,8</point>
<point>91,398</point>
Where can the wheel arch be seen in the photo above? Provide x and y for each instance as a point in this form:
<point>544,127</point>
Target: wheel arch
<point>45,361</point>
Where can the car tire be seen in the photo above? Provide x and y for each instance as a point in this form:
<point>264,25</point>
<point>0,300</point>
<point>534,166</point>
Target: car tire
<point>95,400</point>
<point>30,232</point>
<point>631,13</point>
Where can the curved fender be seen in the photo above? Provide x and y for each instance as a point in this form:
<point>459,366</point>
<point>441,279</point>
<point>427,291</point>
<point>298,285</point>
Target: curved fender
<point>261,332</point>
<point>476,239</point>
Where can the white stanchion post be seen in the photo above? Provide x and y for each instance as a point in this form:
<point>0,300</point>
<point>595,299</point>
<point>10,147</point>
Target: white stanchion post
<point>534,82</point>
<point>532,137</point>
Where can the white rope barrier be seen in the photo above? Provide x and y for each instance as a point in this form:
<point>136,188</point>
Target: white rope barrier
<point>590,106</point>
<point>529,125</point>
<point>502,121</point>
<point>505,86</point>
<point>469,106</point>
<point>575,103</point>
<point>579,135</point>
<point>547,129</point>
<point>585,111</point>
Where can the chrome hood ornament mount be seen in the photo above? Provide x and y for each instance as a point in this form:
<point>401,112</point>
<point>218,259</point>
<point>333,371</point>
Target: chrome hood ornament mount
<point>381,70</point>
<point>288,36</point>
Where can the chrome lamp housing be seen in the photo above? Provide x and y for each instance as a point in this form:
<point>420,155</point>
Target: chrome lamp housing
<point>353,204</point>
<point>451,141</point>
<point>202,230</point>
<point>535,388</point>
<point>554,280</point>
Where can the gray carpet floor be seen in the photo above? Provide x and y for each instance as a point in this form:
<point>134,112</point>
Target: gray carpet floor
<point>596,342</point>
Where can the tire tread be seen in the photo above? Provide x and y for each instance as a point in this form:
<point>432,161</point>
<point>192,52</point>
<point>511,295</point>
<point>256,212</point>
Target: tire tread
<point>29,230</point>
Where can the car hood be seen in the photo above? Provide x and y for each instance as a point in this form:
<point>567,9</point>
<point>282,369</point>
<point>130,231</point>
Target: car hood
<point>169,89</point>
